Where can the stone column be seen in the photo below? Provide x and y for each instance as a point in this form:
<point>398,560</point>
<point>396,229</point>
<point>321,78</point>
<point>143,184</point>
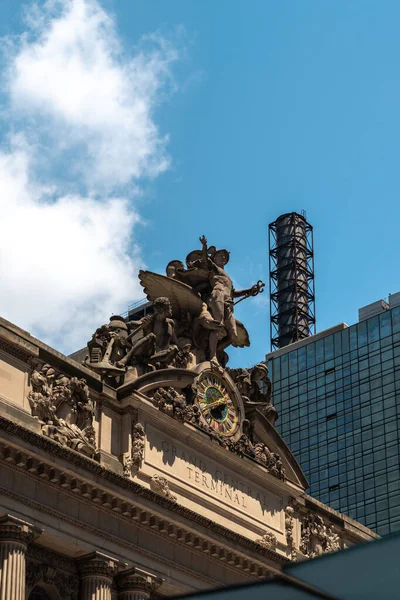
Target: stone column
<point>15,535</point>
<point>97,571</point>
<point>135,584</point>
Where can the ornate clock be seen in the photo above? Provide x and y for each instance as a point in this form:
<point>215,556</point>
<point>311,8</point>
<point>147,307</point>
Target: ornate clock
<point>216,405</point>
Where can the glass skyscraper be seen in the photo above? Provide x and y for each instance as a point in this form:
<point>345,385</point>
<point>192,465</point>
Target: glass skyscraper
<point>336,393</point>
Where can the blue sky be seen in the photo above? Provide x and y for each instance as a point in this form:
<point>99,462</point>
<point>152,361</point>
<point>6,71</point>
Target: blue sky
<point>252,109</point>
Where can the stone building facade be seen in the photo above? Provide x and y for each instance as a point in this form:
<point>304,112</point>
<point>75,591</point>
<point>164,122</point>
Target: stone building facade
<point>159,507</point>
<point>148,467</point>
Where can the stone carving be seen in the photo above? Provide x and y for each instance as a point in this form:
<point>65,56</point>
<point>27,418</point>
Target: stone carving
<point>137,445</point>
<point>63,407</point>
<point>127,465</point>
<point>171,402</point>
<point>255,386</point>
<point>133,461</point>
<point>109,345</point>
<point>147,344</point>
<point>184,358</point>
<point>243,446</point>
<point>16,530</point>
<point>270,459</point>
<point>135,583</point>
<point>34,573</point>
<point>193,322</point>
<point>158,345</point>
<point>97,564</point>
<point>160,485</point>
<point>66,583</point>
<point>289,527</point>
<point>333,541</point>
<point>39,554</point>
<point>316,537</point>
<point>193,319</point>
<point>221,294</point>
<point>268,540</point>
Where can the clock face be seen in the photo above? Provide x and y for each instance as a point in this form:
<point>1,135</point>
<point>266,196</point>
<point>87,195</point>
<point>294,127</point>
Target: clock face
<point>216,406</point>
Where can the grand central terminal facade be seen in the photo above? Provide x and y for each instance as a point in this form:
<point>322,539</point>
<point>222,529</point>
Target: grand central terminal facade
<point>148,467</point>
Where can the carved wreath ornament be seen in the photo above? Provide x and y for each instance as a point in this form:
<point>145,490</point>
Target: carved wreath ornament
<point>63,407</point>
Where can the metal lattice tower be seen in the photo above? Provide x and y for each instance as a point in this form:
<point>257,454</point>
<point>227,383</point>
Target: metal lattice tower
<point>291,271</point>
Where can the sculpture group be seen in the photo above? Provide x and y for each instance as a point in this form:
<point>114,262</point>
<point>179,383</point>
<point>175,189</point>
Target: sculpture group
<point>191,325</point>
<point>193,319</point>
<point>175,358</point>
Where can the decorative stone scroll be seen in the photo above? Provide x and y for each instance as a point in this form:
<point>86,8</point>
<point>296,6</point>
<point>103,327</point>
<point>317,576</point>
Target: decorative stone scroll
<point>316,537</point>
<point>289,527</point>
<point>133,461</point>
<point>63,407</point>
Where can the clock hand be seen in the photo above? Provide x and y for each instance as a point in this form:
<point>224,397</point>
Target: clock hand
<point>209,407</point>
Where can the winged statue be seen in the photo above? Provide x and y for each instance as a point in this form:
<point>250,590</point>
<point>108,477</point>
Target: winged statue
<point>192,320</point>
<point>188,308</point>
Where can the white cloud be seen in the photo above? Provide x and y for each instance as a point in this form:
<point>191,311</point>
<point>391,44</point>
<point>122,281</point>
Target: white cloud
<point>64,265</point>
<point>75,73</point>
<point>67,253</point>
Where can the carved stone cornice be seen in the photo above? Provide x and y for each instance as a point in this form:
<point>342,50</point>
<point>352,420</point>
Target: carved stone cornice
<point>97,563</point>
<point>261,573</point>
<point>137,580</point>
<point>15,351</point>
<point>102,498</point>
<point>16,530</point>
<point>15,339</point>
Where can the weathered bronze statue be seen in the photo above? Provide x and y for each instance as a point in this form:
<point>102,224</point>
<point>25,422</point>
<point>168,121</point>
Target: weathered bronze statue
<point>202,299</point>
<point>220,299</point>
<point>255,386</point>
<point>158,329</point>
<point>108,345</point>
<point>193,319</point>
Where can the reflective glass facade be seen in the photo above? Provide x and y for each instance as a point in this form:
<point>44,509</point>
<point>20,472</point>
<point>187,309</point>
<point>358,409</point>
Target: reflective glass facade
<point>336,398</point>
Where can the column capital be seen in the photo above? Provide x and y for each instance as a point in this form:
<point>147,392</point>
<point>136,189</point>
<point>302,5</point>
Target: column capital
<point>16,530</point>
<point>97,563</point>
<point>135,579</point>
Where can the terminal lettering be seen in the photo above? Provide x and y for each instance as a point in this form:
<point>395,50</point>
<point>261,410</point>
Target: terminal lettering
<point>219,483</point>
